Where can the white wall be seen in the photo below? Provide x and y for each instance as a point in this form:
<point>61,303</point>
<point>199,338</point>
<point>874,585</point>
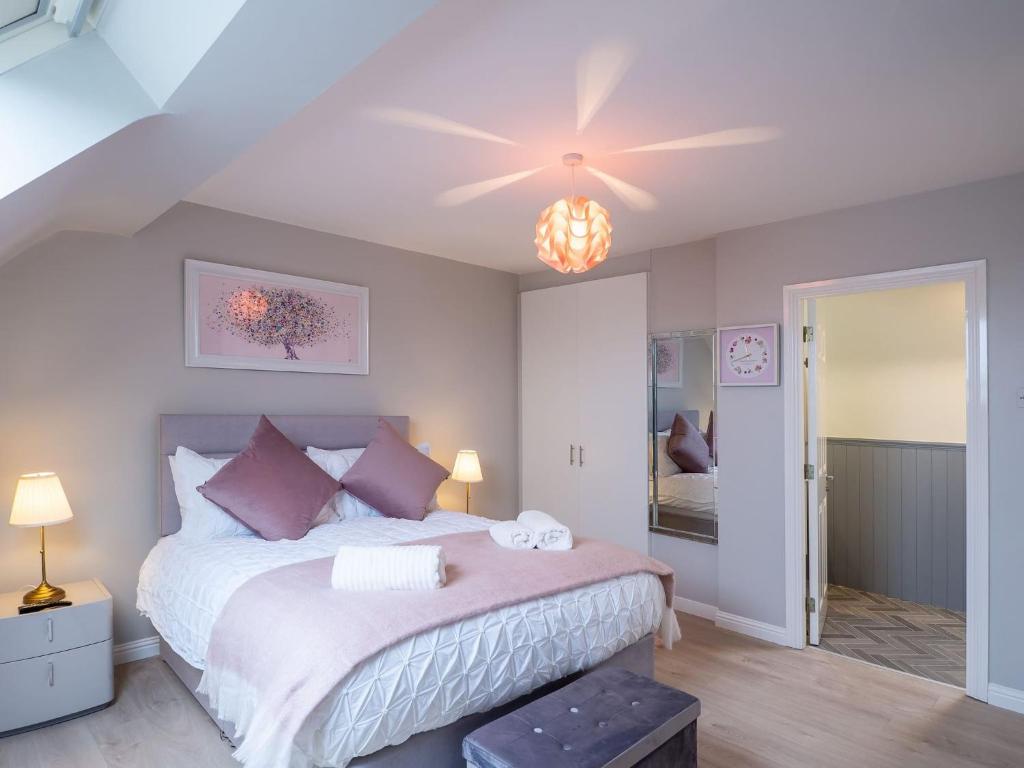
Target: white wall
<point>92,349</point>
<point>161,42</point>
<point>973,221</point>
<point>65,101</point>
<point>896,364</point>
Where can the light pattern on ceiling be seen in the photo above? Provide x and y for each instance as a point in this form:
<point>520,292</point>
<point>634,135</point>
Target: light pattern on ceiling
<point>599,71</point>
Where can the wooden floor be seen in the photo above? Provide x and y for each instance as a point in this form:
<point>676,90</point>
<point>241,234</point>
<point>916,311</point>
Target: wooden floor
<point>762,706</point>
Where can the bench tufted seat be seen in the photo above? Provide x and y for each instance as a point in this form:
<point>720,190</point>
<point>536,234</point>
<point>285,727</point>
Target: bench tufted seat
<point>610,718</point>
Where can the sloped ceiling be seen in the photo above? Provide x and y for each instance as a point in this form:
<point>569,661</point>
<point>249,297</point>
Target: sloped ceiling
<point>195,107</point>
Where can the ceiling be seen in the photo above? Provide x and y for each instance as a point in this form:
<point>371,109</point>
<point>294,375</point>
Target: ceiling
<point>115,126</point>
<point>853,102</point>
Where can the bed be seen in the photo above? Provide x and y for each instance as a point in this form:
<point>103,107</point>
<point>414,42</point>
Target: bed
<point>412,703</point>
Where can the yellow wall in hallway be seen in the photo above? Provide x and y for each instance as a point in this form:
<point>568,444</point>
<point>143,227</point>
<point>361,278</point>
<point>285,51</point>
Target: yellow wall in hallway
<point>896,364</point>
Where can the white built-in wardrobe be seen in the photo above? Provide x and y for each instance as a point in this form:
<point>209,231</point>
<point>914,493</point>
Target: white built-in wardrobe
<point>583,430</point>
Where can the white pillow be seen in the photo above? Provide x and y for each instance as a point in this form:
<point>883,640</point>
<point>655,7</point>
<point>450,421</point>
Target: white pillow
<point>336,464</point>
<point>201,519</point>
<point>666,467</point>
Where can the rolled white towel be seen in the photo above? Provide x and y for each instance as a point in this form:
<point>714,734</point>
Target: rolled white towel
<point>550,534</point>
<point>513,535</point>
<point>417,566</point>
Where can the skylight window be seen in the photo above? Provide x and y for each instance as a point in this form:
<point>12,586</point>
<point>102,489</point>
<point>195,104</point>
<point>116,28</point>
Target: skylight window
<point>17,13</point>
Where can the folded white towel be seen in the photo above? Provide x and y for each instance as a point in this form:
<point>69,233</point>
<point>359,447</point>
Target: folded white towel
<point>417,566</point>
<point>550,534</point>
<point>513,535</point>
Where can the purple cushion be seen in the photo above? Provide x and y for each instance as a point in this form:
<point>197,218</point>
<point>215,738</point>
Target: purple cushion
<point>709,436</point>
<point>687,446</point>
<point>271,486</point>
<point>393,477</point>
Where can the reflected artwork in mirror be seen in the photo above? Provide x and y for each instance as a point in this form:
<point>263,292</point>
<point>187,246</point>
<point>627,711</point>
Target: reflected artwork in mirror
<point>682,449</point>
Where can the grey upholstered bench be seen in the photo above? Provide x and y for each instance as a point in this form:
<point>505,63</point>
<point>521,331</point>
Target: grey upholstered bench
<point>611,718</point>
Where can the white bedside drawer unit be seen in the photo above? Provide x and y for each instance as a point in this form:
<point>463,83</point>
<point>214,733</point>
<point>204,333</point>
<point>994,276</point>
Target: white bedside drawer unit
<point>55,663</point>
<point>52,687</point>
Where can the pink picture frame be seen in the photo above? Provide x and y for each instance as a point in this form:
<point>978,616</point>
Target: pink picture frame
<point>748,355</point>
<point>247,318</point>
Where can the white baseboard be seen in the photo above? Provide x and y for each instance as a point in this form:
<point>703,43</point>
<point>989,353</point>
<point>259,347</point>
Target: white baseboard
<point>745,626</point>
<point>137,650</point>
<point>686,605</point>
<point>1005,697</point>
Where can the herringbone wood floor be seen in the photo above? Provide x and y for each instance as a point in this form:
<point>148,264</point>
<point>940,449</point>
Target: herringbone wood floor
<point>923,640</point>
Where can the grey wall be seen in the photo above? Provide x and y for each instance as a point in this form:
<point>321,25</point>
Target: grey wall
<point>897,513</point>
<point>681,297</point>
<point>92,345</point>
<point>972,221</point>
<point>698,390</point>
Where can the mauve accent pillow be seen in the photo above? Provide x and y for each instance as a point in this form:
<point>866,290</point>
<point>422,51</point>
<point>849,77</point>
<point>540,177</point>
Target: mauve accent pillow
<point>709,436</point>
<point>393,477</point>
<point>271,486</point>
<point>687,446</point>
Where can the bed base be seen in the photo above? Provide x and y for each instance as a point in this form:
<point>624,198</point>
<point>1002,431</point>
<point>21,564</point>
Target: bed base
<point>442,747</point>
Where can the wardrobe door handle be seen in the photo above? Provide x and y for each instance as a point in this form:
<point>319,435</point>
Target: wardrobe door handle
<point>572,455</point>
<point>581,455</point>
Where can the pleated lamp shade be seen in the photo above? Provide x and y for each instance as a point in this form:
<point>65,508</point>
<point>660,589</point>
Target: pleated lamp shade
<point>467,467</point>
<point>39,500</point>
<point>574,234</point>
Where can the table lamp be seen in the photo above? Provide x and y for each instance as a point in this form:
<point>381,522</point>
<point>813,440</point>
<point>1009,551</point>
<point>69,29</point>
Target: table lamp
<point>39,501</point>
<point>467,470</point>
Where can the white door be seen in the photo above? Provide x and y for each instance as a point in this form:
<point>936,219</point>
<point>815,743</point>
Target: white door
<point>549,436</point>
<point>817,485</point>
<point>612,392</point>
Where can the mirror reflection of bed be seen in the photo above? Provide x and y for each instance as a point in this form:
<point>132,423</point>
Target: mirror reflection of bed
<point>682,452</point>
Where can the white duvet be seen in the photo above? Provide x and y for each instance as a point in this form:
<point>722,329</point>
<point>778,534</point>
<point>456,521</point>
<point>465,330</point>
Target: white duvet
<point>690,492</point>
<point>424,682</point>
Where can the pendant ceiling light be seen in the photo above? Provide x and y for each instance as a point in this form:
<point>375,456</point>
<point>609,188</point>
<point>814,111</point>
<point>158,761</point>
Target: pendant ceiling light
<point>574,233</point>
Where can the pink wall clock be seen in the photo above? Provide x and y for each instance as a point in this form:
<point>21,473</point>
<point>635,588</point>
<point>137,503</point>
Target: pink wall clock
<point>748,355</point>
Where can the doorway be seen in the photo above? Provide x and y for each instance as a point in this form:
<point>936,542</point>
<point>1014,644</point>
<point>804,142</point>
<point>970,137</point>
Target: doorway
<point>885,386</point>
<point>875,583</point>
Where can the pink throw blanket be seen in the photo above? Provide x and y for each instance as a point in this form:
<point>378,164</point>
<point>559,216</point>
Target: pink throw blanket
<point>292,638</point>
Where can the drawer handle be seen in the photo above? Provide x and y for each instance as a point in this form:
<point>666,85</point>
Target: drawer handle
<point>51,673</point>
<point>49,631</point>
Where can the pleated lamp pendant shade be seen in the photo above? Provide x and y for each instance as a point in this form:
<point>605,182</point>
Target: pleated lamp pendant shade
<point>573,234</point>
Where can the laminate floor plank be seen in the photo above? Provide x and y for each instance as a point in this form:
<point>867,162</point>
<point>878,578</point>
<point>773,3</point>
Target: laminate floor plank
<point>65,745</point>
<point>763,707</point>
<point>768,706</point>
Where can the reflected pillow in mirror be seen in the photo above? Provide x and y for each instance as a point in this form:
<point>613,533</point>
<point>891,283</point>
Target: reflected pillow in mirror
<point>687,446</point>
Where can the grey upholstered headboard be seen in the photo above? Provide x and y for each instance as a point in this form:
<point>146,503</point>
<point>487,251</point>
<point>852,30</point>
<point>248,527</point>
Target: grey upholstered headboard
<point>665,418</point>
<point>225,435</point>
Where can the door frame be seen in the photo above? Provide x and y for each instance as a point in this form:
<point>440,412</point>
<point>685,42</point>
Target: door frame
<point>972,274</point>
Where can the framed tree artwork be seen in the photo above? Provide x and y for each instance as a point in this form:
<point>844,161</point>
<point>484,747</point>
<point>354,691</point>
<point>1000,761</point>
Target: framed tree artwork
<point>668,362</point>
<point>247,318</point>
<point>748,355</point>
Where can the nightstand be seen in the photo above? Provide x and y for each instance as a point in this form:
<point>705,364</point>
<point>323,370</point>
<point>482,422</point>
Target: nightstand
<point>58,663</point>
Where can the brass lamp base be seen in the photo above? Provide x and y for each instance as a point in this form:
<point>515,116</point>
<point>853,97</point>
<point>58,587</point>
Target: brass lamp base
<point>44,593</point>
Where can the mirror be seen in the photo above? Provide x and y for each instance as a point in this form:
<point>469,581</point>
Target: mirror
<point>682,452</point>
